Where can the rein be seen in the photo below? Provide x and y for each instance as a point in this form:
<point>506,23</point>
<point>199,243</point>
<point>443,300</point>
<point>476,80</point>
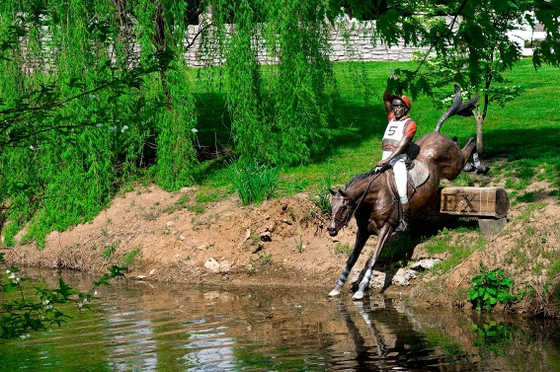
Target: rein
<point>347,221</point>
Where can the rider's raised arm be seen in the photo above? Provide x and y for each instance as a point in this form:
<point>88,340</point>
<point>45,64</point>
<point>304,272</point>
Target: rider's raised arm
<point>387,100</point>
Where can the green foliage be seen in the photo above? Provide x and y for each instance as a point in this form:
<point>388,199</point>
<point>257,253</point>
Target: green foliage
<point>455,243</point>
<point>253,182</point>
<point>469,39</point>
<point>490,287</point>
<point>344,249</point>
<point>109,251</point>
<point>299,244</point>
<point>322,200</point>
<point>437,338</point>
<point>84,115</point>
<point>492,336</point>
<point>176,157</point>
<point>279,115</point>
<point>128,260</point>
<point>83,112</point>
<point>464,43</point>
<point>396,249</point>
<point>21,312</point>
<point>198,209</point>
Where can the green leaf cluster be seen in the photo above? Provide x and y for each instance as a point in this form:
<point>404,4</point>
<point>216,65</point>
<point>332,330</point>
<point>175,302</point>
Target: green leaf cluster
<point>489,288</point>
<point>492,336</point>
<point>92,94</point>
<point>22,311</point>
<point>279,114</point>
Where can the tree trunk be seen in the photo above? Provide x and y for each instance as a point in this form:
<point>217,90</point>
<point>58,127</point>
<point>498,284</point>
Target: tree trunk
<point>479,120</point>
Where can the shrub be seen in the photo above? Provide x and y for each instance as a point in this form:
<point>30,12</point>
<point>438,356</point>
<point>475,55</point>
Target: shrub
<point>253,182</point>
<point>322,199</point>
<point>489,288</point>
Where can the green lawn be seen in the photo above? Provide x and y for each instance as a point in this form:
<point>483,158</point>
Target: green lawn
<point>525,131</point>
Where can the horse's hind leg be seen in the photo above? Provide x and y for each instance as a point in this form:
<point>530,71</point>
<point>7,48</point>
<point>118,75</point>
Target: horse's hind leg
<point>476,165</point>
<point>382,237</point>
<point>361,239</point>
<point>468,150</point>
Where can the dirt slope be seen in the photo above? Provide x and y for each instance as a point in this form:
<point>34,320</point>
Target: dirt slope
<point>162,236</point>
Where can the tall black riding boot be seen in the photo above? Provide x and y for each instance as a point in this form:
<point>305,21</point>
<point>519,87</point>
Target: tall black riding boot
<point>405,217</point>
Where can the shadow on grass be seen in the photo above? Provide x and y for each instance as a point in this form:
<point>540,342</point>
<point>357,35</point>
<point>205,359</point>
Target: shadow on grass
<point>352,125</point>
<point>213,120</point>
<point>356,124</point>
<point>522,144</point>
<point>400,247</point>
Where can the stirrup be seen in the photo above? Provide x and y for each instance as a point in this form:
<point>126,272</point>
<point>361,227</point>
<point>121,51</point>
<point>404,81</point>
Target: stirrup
<point>403,226</point>
<point>403,223</point>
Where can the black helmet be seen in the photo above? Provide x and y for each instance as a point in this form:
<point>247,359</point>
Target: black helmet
<point>401,101</point>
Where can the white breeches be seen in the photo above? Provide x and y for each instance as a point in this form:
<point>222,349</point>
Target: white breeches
<point>401,177</point>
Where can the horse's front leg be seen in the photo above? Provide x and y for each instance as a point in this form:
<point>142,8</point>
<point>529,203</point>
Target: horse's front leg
<point>382,237</point>
<point>361,238</point>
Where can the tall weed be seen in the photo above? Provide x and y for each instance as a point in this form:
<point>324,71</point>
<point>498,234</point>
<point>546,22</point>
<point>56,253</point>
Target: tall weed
<point>252,181</point>
<point>322,198</point>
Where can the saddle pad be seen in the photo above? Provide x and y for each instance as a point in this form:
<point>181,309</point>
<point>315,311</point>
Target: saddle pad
<point>419,173</point>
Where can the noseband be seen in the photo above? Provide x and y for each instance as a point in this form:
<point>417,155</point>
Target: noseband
<point>345,222</point>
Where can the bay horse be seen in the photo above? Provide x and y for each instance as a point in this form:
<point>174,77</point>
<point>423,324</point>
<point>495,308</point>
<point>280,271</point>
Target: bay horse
<point>372,200</point>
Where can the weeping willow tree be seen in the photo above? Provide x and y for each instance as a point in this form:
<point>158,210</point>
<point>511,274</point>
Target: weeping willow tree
<point>281,112</point>
<point>92,93</point>
<point>95,93</point>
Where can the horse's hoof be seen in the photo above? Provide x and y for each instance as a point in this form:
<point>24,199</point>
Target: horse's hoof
<point>358,295</point>
<point>334,292</point>
<point>482,169</point>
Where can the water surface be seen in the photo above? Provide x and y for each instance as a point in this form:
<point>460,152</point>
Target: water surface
<point>141,326</point>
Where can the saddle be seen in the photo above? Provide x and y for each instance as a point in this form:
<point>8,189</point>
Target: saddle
<point>418,174</point>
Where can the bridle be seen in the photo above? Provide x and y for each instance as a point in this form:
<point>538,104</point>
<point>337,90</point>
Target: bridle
<point>346,221</point>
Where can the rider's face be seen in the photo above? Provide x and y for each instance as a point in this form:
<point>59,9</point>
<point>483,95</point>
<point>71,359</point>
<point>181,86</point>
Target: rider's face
<point>399,111</point>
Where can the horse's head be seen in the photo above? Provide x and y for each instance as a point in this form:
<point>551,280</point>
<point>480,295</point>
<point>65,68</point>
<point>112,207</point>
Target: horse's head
<point>341,211</point>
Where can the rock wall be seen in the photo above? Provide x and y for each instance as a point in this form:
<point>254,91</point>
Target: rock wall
<point>350,41</point>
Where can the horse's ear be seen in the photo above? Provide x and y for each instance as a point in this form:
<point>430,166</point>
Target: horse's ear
<point>332,192</point>
<point>342,193</point>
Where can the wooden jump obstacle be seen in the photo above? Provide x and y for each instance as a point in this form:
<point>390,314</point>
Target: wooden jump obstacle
<point>489,204</point>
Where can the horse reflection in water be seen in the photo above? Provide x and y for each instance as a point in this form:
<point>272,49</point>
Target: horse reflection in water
<point>392,341</point>
<point>371,197</point>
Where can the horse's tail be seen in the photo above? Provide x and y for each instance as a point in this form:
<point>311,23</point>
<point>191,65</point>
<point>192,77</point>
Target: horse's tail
<point>458,108</point>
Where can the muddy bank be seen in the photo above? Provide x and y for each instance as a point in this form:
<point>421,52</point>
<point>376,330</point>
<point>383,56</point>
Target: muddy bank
<point>162,236</point>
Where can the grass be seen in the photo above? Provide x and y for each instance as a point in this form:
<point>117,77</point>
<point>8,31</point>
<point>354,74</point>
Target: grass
<point>524,132</point>
<point>520,145</point>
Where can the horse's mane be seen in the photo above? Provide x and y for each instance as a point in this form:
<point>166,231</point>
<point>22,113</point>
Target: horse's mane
<point>360,177</point>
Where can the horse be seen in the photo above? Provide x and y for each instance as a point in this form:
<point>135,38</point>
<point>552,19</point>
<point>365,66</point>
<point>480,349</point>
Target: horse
<point>371,197</point>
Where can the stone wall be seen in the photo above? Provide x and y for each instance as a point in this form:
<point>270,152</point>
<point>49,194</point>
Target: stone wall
<point>350,41</point>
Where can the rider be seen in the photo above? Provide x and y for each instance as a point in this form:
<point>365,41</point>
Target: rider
<point>398,135</point>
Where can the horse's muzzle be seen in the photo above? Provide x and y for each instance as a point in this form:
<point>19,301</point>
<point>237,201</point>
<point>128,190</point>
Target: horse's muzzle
<point>332,231</point>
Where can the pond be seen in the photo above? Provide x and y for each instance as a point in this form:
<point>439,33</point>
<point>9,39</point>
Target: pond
<point>143,326</point>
